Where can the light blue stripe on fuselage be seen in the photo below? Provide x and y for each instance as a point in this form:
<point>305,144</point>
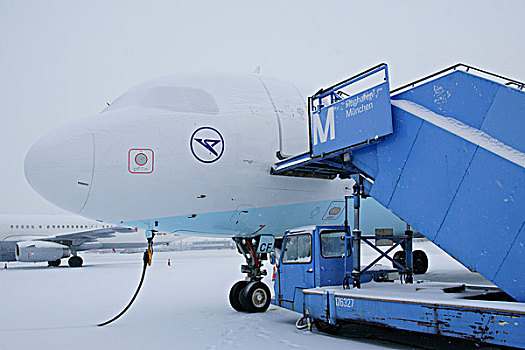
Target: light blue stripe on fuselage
<point>273,220</point>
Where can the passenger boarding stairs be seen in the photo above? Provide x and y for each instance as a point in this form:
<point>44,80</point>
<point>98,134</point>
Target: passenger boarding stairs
<point>448,158</point>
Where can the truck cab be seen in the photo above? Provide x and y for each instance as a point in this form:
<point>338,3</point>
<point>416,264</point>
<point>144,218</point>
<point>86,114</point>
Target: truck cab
<point>311,256</point>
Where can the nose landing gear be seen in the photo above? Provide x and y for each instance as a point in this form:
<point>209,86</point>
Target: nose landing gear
<point>235,295</point>
<point>255,297</point>
<point>250,295</point>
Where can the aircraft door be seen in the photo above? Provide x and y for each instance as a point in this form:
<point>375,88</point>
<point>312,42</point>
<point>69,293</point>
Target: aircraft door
<point>246,219</point>
<point>296,267</point>
<point>291,115</point>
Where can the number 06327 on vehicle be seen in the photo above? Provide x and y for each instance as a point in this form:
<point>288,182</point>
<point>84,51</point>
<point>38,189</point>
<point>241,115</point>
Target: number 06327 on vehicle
<point>344,302</point>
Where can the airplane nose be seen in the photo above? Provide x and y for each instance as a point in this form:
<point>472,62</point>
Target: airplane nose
<point>60,167</point>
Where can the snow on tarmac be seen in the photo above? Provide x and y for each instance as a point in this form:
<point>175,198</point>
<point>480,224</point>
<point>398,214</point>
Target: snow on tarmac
<point>182,306</point>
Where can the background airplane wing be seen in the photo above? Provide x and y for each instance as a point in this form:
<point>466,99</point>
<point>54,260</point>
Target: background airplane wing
<point>119,245</point>
<point>78,238</point>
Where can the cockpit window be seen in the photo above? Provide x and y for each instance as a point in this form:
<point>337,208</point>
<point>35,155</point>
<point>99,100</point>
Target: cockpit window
<point>172,98</point>
<point>181,99</point>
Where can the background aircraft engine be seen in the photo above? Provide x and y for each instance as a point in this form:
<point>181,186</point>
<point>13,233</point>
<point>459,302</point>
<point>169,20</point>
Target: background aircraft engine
<point>38,251</point>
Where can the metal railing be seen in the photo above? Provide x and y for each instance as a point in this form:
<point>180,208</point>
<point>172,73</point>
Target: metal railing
<point>463,67</point>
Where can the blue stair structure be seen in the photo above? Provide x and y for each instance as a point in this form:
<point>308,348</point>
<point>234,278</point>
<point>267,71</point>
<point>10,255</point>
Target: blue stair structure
<point>452,165</point>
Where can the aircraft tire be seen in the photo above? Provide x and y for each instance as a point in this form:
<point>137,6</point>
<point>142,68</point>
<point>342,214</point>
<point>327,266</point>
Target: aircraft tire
<point>235,295</point>
<point>256,297</point>
<point>399,257</point>
<point>75,261</point>
<point>420,262</point>
<point>54,263</point>
<point>326,327</point>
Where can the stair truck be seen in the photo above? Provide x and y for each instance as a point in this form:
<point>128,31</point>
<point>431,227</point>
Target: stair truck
<point>446,154</point>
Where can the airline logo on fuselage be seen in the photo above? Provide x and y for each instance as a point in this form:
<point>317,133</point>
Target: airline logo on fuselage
<point>207,144</point>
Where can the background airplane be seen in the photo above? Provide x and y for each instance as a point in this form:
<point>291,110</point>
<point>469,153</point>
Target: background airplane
<point>192,154</point>
<point>40,238</point>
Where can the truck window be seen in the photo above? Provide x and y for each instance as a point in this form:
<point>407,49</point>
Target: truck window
<point>298,249</point>
<point>332,244</point>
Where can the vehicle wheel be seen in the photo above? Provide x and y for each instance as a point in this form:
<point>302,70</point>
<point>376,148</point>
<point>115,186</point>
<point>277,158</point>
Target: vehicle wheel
<point>399,257</point>
<point>326,327</point>
<point>75,261</point>
<point>255,297</point>
<point>54,263</point>
<point>235,295</point>
<point>420,262</point>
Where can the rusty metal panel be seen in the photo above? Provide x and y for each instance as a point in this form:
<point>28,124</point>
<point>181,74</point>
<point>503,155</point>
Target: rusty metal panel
<point>482,325</point>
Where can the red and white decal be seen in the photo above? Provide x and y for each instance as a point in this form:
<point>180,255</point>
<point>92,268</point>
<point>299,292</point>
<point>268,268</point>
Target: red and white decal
<point>334,211</point>
<point>141,161</point>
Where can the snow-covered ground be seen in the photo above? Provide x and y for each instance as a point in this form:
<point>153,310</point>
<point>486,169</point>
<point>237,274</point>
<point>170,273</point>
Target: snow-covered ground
<point>182,306</point>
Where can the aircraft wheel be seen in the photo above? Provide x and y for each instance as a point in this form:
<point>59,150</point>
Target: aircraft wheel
<point>326,327</point>
<point>420,262</point>
<point>75,261</point>
<point>235,295</point>
<point>256,297</point>
<point>419,258</point>
<point>54,263</point>
<point>399,257</point>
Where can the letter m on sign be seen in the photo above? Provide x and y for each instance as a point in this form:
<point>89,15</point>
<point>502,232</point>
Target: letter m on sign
<point>329,127</point>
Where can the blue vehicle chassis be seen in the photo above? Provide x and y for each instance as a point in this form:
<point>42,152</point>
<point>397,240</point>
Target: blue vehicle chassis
<point>500,323</point>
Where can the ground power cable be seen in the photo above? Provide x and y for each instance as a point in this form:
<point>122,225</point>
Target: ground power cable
<point>148,255</point>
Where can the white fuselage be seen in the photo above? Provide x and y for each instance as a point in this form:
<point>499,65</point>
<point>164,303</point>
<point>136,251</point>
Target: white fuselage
<point>37,238</point>
<point>190,154</point>
<point>26,227</point>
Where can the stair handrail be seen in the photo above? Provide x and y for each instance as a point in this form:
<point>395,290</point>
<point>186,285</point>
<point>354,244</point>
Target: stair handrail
<point>509,82</point>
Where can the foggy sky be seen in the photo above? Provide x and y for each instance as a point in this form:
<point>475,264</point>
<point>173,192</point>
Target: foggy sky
<point>63,60</point>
